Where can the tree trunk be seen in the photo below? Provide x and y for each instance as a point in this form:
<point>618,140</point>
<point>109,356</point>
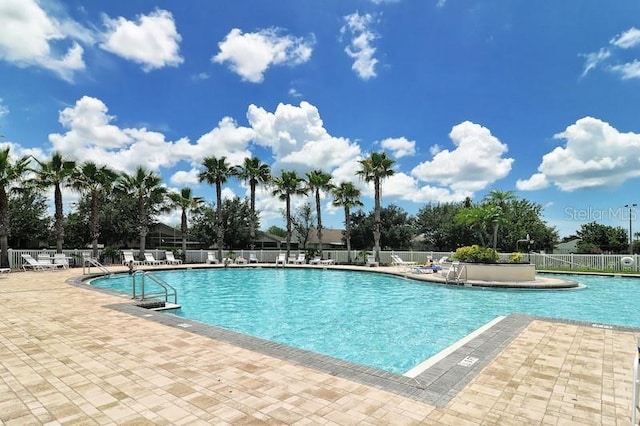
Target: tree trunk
<point>376,220</point>
<point>288,211</point>
<point>319,214</point>
<point>252,226</point>
<point>4,228</point>
<point>184,229</point>
<point>59,218</point>
<point>347,232</point>
<point>220,235</point>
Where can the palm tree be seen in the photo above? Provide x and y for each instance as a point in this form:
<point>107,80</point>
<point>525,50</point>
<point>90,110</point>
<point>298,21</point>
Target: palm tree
<point>145,187</point>
<point>186,202</point>
<point>347,195</point>
<point>374,169</point>
<point>56,173</point>
<point>317,181</point>
<point>216,172</point>
<point>93,180</point>
<point>286,185</point>
<point>499,199</point>
<point>10,173</point>
<point>254,172</point>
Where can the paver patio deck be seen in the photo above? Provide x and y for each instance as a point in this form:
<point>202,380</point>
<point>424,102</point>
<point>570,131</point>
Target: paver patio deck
<point>67,358</point>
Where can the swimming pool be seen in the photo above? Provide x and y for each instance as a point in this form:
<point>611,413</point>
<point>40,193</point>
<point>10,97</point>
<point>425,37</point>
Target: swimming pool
<point>374,319</point>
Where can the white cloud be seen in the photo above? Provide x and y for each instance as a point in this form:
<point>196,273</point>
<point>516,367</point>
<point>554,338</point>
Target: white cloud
<point>475,163</point>
<point>629,70</point>
<point>251,54</point>
<point>4,110</point>
<point>360,47</point>
<point>298,139</point>
<point>594,59</point>
<point>400,147</point>
<point>226,139</point>
<point>29,34</point>
<point>535,182</point>
<point>628,39</point>
<point>595,155</point>
<point>185,178</point>
<point>152,41</point>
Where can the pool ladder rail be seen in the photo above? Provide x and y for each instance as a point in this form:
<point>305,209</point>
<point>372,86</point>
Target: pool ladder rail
<point>88,261</point>
<point>155,301</point>
<point>455,273</point>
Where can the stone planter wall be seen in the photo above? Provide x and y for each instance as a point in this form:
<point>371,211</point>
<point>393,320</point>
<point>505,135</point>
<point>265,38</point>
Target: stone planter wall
<point>499,272</point>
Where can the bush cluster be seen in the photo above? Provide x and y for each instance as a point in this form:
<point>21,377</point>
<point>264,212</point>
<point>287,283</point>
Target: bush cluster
<point>475,254</point>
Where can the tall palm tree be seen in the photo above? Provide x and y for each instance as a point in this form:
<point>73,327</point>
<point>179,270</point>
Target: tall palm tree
<point>186,202</point>
<point>254,172</point>
<point>55,172</point>
<point>11,172</point>
<point>145,187</point>
<point>374,169</point>
<point>286,185</point>
<point>317,181</point>
<point>216,172</point>
<point>93,180</point>
<point>347,195</point>
<point>499,199</point>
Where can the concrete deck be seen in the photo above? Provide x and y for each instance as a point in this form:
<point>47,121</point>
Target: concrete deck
<point>68,357</point>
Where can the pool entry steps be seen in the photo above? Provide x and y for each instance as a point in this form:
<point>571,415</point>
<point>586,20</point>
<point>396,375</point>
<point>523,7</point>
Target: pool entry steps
<point>157,300</point>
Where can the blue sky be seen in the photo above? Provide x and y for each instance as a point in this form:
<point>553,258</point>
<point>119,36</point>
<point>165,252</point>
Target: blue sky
<point>538,98</point>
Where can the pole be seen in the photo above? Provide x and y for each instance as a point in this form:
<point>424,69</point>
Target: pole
<point>630,207</point>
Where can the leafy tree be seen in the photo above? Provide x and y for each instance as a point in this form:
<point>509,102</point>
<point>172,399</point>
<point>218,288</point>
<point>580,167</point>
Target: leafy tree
<point>303,221</point>
<point>437,223</point>
<point>55,172</point>
<point>347,196</point>
<point>286,185</point>
<point>11,173</point>
<point>318,181</point>
<point>216,172</point>
<point>203,225</point>
<point>602,238</point>
<point>145,187</point>
<point>277,231</point>
<point>92,179</point>
<point>236,217</point>
<point>498,200</point>
<point>255,172</point>
<point>374,169</point>
<point>187,203</point>
<point>29,222</point>
<point>362,230</point>
<point>398,228</point>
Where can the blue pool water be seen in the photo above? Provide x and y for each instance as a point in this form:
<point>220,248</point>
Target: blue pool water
<point>373,319</point>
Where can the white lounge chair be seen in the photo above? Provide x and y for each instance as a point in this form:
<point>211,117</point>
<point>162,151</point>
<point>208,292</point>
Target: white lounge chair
<point>397,261</point>
<point>211,257</point>
<point>35,265</point>
<point>282,258</point>
<point>328,262</point>
<point>253,258</point>
<point>315,261</point>
<point>240,260</point>
<point>150,260</point>
<point>61,259</point>
<point>292,258</point>
<point>170,259</point>
<point>301,259</point>
<point>127,257</point>
<point>371,261</point>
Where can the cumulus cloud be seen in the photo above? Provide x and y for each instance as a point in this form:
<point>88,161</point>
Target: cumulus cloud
<point>628,39</point>
<point>399,147</point>
<point>360,48</point>
<point>251,54</point>
<point>152,41</point>
<point>595,155</point>
<point>30,38</point>
<point>476,162</point>
<point>185,178</point>
<point>298,139</point>
<point>536,181</point>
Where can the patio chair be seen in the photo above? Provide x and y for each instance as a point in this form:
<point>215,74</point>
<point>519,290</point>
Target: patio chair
<point>35,265</point>
<point>301,259</point>
<point>150,260</point>
<point>240,260</point>
<point>61,259</point>
<point>315,261</point>
<point>397,261</point>
<point>127,257</point>
<point>282,258</point>
<point>371,261</point>
<point>170,259</point>
<point>253,258</point>
<point>328,262</point>
<point>211,257</point>
<point>292,258</point>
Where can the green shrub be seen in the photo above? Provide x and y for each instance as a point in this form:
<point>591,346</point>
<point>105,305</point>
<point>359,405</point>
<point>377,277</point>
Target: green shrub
<point>515,257</point>
<point>475,254</point>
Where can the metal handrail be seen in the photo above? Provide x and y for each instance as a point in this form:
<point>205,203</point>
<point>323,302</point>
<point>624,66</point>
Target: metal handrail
<point>93,261</point>
<point>168,290</point>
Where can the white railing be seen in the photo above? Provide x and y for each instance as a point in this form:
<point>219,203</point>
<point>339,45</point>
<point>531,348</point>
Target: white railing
<point>596,262</point>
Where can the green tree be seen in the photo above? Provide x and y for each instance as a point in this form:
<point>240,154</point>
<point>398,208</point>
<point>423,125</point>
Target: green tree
<point>374,169</point>
<point>347,196</point>
<point>286,185</point>
<point>236,216</point>
<point>11,173</point>
<point>187,203</point>
<point>145,187</point>
<point>398,228</point>
<point>437,224</point>
<point>598,238</point>
<point>318,181</point>
<point>216,172</point>
<point>93,180</point>
<point>500,200</point>
<point>277,231</point>
<point>303,221</point>
<point>29,222</point>
<point>55,172</point>
<point>254,172</point>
